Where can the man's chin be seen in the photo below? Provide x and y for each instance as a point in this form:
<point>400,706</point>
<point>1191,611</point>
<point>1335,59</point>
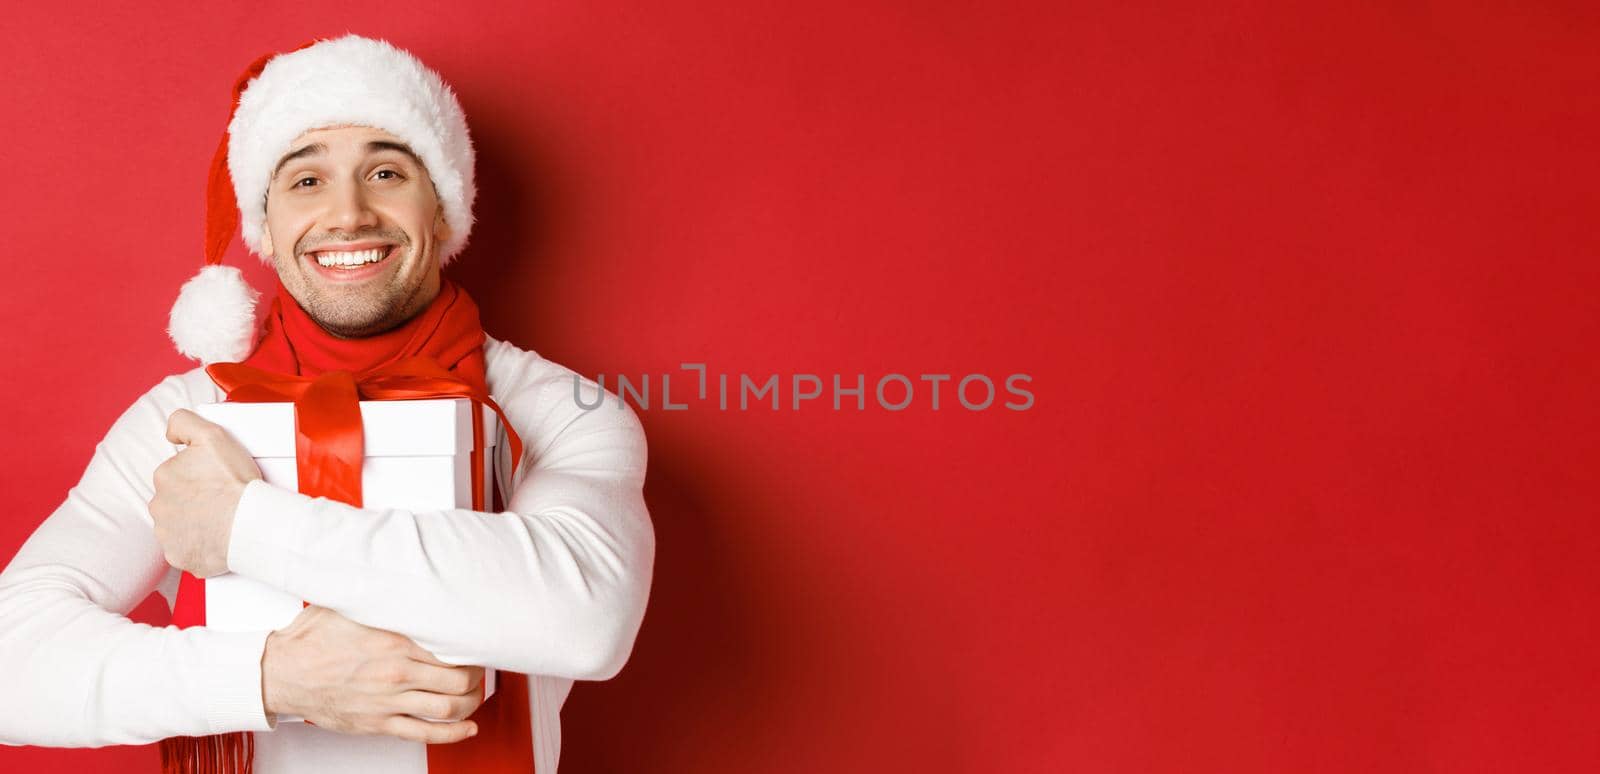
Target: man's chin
<point>347,328</point>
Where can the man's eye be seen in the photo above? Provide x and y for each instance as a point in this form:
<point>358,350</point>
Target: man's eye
<point>389,172</point>
<point>303,180</point>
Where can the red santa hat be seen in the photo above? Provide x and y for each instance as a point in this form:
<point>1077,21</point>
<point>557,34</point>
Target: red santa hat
<point>330,82</point>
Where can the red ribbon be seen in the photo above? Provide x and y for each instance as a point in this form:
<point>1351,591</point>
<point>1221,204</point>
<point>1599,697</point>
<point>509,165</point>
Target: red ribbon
<point>329,444</point>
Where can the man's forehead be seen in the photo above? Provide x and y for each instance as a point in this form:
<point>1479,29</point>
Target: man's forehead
<point>315,143</point>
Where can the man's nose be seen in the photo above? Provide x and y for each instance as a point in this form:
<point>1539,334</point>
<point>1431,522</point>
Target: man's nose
<point>350,209</point>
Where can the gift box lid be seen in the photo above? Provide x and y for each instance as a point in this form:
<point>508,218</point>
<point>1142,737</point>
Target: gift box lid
<point>391,428</point>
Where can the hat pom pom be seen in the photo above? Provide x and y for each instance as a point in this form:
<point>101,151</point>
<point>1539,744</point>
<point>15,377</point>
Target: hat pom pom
<point>214,319</point>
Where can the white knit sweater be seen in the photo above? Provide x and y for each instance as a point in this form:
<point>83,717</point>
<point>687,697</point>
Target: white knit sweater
<point>555,589</point>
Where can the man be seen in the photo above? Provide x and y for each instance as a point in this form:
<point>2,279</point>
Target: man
<point>352,171</point>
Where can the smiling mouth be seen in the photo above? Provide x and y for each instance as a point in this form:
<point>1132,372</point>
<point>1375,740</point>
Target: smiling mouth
<point>349,260</point>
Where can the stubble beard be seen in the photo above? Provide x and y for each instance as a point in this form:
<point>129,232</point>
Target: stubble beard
<point>354,316</point>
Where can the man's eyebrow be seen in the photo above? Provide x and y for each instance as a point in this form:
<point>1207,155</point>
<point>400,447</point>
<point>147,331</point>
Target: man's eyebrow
<point>317,148</point>
<point>382,145</point>
<point>309,150</point>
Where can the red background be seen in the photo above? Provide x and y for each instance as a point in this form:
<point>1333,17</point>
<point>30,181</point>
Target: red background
<point>1308,298</point>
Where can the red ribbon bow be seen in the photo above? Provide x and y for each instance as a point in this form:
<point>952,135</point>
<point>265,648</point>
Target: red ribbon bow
<point>327,415</point>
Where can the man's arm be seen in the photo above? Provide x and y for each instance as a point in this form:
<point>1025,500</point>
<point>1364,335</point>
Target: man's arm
<point>76,672</point>
<point>556,585</point>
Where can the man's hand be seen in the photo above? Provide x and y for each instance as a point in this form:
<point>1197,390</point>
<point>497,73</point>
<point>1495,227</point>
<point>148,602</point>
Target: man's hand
<point>354,679</point>
<point>197,491</point>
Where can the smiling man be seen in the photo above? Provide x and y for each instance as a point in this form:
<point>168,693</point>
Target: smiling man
<point>352,172</point>
<point>366,286</point>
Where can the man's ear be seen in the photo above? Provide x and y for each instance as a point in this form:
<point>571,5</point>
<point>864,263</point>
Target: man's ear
<point>441,227</point>
<point>266,242</point>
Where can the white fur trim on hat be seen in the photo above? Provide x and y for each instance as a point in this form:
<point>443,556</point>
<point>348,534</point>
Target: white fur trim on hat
<point>214,319</point>
<point>359,81</point>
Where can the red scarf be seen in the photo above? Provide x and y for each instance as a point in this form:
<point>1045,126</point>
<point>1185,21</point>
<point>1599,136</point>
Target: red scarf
<point>449,334</point>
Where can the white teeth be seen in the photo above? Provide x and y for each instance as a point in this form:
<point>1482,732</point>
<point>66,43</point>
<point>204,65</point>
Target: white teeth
<point>351,257</point>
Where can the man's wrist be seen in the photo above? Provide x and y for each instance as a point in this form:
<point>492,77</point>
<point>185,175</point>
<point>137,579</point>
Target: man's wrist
<point>267,701</point>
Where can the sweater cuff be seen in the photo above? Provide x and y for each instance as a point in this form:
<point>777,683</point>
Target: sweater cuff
<point>234,700</point>
<point>266,525</point>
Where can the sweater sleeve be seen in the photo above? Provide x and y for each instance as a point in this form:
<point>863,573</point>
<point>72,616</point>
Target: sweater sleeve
<point>77,672</point>
<point>555,585</point>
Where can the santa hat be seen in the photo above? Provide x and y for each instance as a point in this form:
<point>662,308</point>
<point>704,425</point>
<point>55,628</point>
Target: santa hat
<point>347,80</point>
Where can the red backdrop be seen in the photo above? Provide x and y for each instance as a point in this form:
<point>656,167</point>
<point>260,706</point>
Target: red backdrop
<point>1308,299</point>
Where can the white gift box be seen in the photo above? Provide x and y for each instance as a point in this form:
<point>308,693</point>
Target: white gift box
<point>418,457</point>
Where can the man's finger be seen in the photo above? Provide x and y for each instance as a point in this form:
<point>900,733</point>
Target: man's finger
<point>439,706</point>
<point>418,653</point>
<point>427,731</point>
<point>455,681</point>
<point>186,427</point>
